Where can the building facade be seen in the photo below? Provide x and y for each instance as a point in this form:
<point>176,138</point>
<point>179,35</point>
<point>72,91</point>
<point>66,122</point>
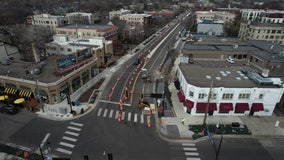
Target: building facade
<point>262,31</point>
<point>262,16</point>
<point>251,85</point>
<point>117,14</point>
<point>109,32</point>
<point>142,20</point>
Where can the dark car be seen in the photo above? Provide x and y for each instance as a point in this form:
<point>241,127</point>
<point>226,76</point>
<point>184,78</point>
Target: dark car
<point>9,110</point>
<point>136,61</point>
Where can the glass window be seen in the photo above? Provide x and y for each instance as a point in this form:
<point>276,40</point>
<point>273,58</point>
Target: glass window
<point>201,95</point>
<point>260,96</point>
<point>191,94</point>
<point>244,96</point>
<point>227,96</point>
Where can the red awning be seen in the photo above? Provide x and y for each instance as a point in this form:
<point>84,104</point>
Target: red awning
<point>242,107</point>
<point>202,106</point>
<point>188,103</point>
<point>257,107</point>
<point>181,96</point>
<point>226,106</point>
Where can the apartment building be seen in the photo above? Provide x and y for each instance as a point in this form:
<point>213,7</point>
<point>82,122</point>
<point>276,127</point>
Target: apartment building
<point>117,14</point>
<point>142,20</point>
<point>262,31</point>
<point>250,85</point>
<point>109,32</point>
<point>262,16</point>
<point>51,22</point>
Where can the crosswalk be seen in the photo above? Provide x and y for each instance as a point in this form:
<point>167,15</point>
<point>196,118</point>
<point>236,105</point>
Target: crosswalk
<point>69,138</point>
<point>184,151</point>
<point>126,116</point>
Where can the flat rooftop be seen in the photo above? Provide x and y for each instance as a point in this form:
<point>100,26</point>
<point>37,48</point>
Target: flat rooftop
<point>223,74</point>
<point>22,70</point>
<point>87,26</point>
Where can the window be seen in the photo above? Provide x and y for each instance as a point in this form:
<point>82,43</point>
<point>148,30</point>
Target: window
<point>61,49</point>
<point>213,95</point>
<point>244,96</point>
<point>69,49</point>
<point>191,94</point>
<point>260,96</point>
<point>227,96</point>
<point>201,95</point>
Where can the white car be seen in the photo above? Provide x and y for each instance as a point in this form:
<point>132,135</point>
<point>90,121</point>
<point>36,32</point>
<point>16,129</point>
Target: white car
<point>230,60</point>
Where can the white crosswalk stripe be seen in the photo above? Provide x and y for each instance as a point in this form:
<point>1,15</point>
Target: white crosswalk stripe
<point>67,144</point>
<point>191,153</point>
<point>193,158</point>
<point>135,117</point>
<point>188,144</point>
<point>129,116</point>
<point>142,118</point>
<point>105,113</point>
<point>64,151</point>
<point>100,111</point>
<point>189,149</point>
<point>69,139</point>
<point>111,113</point>
<point>74,128</point>
<point>123,116</point>
<point>77,124</point>
<point>72,133</point>
<point>116,114</point>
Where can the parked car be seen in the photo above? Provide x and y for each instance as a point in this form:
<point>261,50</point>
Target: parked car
<point>136,61</point>
<point>9,109</point>
<point>230,60</point>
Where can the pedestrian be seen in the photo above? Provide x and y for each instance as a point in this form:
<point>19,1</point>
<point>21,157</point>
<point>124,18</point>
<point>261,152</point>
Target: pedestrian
<point>182,120</point>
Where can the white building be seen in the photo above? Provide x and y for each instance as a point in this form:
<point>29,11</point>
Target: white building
<point>137,19</point>
<point>117,14</point>
<point>232,93</point>
<point>64,45</point>
<point>210,27</point>
<point>262,16</point>
<point>250,85</point>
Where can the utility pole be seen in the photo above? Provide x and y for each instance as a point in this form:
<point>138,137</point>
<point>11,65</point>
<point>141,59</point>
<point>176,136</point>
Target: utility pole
<point>207,105</point>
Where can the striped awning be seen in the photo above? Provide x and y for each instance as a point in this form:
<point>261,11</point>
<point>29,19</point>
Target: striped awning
<point>24,93</point>
<point>10,91</point>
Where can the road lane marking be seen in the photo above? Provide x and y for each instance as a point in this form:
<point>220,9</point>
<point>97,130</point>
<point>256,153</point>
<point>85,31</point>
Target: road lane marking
<point>100,111</point>
<point>44,139</point>
<point>123,115</point>
<point>69,139</point>
<point>76,124</point>
<point>105,113</point>
<point>110,114</point>
<point>72,133</point>
<point>129,116</point>
<point>188,144</point>
<point>63,151</point>
<point>104,101</point>
<point>135,117</point>
<point>189,149</point>
<point>74,128</point>
<point>116,114</point>
<point>191,153</point>
<point>142,118</point>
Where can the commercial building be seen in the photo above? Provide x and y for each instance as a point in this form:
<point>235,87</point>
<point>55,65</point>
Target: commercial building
<point>109,32</point>
<point>262,31</point>
<point>215,15</point>
<point>262,16</point>
<point>64,72</point>
<point>142,20</point>
<point>251,84</point>
<point>210,27</point>
<point>117,14</point>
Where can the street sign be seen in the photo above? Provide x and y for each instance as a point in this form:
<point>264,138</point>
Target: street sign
<point>210,137</point>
